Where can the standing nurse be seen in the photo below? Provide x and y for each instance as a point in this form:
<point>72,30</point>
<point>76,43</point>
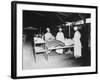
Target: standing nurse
<point>77,43</point>
<point>60,37</point>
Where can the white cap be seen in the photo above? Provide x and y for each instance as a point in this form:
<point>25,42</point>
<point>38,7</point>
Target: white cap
<point>76,28</point>
<point>47,28</point>
<point>60,29</point>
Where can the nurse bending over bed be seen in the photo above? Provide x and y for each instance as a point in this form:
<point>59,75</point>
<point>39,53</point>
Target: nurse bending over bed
<point>48,35</point>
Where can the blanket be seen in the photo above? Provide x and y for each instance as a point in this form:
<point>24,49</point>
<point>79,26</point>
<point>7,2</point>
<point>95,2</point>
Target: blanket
<point>54,43</point>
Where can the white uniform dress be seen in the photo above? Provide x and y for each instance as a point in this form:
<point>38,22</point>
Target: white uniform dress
<point>77,44</point>
<point>60,37</point>
<point>48,36</point>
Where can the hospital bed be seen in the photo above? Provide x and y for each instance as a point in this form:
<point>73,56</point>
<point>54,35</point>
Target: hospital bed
<point>47,46</point>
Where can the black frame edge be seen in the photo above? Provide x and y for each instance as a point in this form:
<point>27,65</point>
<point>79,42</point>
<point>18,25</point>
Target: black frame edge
<point>54,4</point>
<point>56,75</point>
<point>97,40</point>
<point>13,40</point>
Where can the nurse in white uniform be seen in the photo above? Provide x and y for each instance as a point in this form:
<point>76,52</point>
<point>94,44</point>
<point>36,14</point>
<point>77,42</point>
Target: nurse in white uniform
<point>48,35</point>
<point>77,43</point>
<point>60,37</point>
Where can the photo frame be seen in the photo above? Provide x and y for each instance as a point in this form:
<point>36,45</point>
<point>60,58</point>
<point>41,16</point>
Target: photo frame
<point>25,15</point>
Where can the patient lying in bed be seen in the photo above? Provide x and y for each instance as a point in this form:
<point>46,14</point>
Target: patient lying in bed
<point>68,42</point>
<point>54,43</point>
<point>50,45</point>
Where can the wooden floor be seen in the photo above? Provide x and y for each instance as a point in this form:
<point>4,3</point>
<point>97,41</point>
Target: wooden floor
<point>54,60</point>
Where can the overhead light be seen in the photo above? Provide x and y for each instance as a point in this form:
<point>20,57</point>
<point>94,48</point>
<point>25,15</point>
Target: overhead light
<point>79,22</point>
